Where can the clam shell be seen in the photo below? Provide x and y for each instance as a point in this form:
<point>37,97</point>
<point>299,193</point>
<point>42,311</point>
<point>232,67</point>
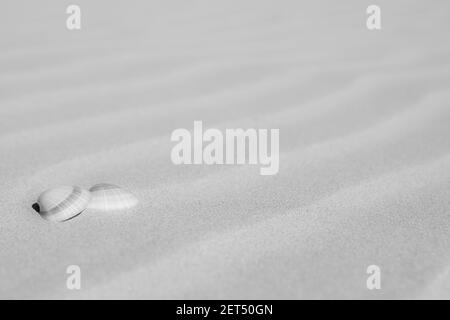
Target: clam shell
<point>109,197</point>
<point>63,203</point>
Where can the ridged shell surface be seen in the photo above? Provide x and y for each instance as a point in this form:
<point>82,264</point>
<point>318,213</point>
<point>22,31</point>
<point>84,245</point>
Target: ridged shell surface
<point>63,203</point>
<point>109,197</point>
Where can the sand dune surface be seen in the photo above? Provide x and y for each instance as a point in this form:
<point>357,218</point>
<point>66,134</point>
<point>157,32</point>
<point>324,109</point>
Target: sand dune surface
<point>364,148</point>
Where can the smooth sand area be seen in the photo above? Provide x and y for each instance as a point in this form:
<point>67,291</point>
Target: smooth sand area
<point>364,121</point>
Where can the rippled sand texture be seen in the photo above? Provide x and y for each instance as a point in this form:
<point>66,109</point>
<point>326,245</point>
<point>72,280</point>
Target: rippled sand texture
<point>364,122</point>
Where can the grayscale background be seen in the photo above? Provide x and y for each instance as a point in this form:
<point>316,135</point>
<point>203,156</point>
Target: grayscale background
<point>364,148</point>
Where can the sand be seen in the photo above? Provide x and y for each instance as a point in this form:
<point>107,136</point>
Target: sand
<point>364,148</point>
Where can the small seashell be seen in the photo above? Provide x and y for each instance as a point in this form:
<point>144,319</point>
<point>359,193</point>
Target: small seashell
<point>109,197</point>
<point>63,203</point>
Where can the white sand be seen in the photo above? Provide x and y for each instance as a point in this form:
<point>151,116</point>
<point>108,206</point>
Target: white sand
<point>365,148</point>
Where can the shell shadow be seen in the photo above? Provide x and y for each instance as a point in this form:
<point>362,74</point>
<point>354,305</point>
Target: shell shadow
<point>36,207</point>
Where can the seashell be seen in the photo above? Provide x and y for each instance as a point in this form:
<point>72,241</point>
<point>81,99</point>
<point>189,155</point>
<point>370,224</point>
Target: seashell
<point>109,197</point>
<point>63,203</point>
